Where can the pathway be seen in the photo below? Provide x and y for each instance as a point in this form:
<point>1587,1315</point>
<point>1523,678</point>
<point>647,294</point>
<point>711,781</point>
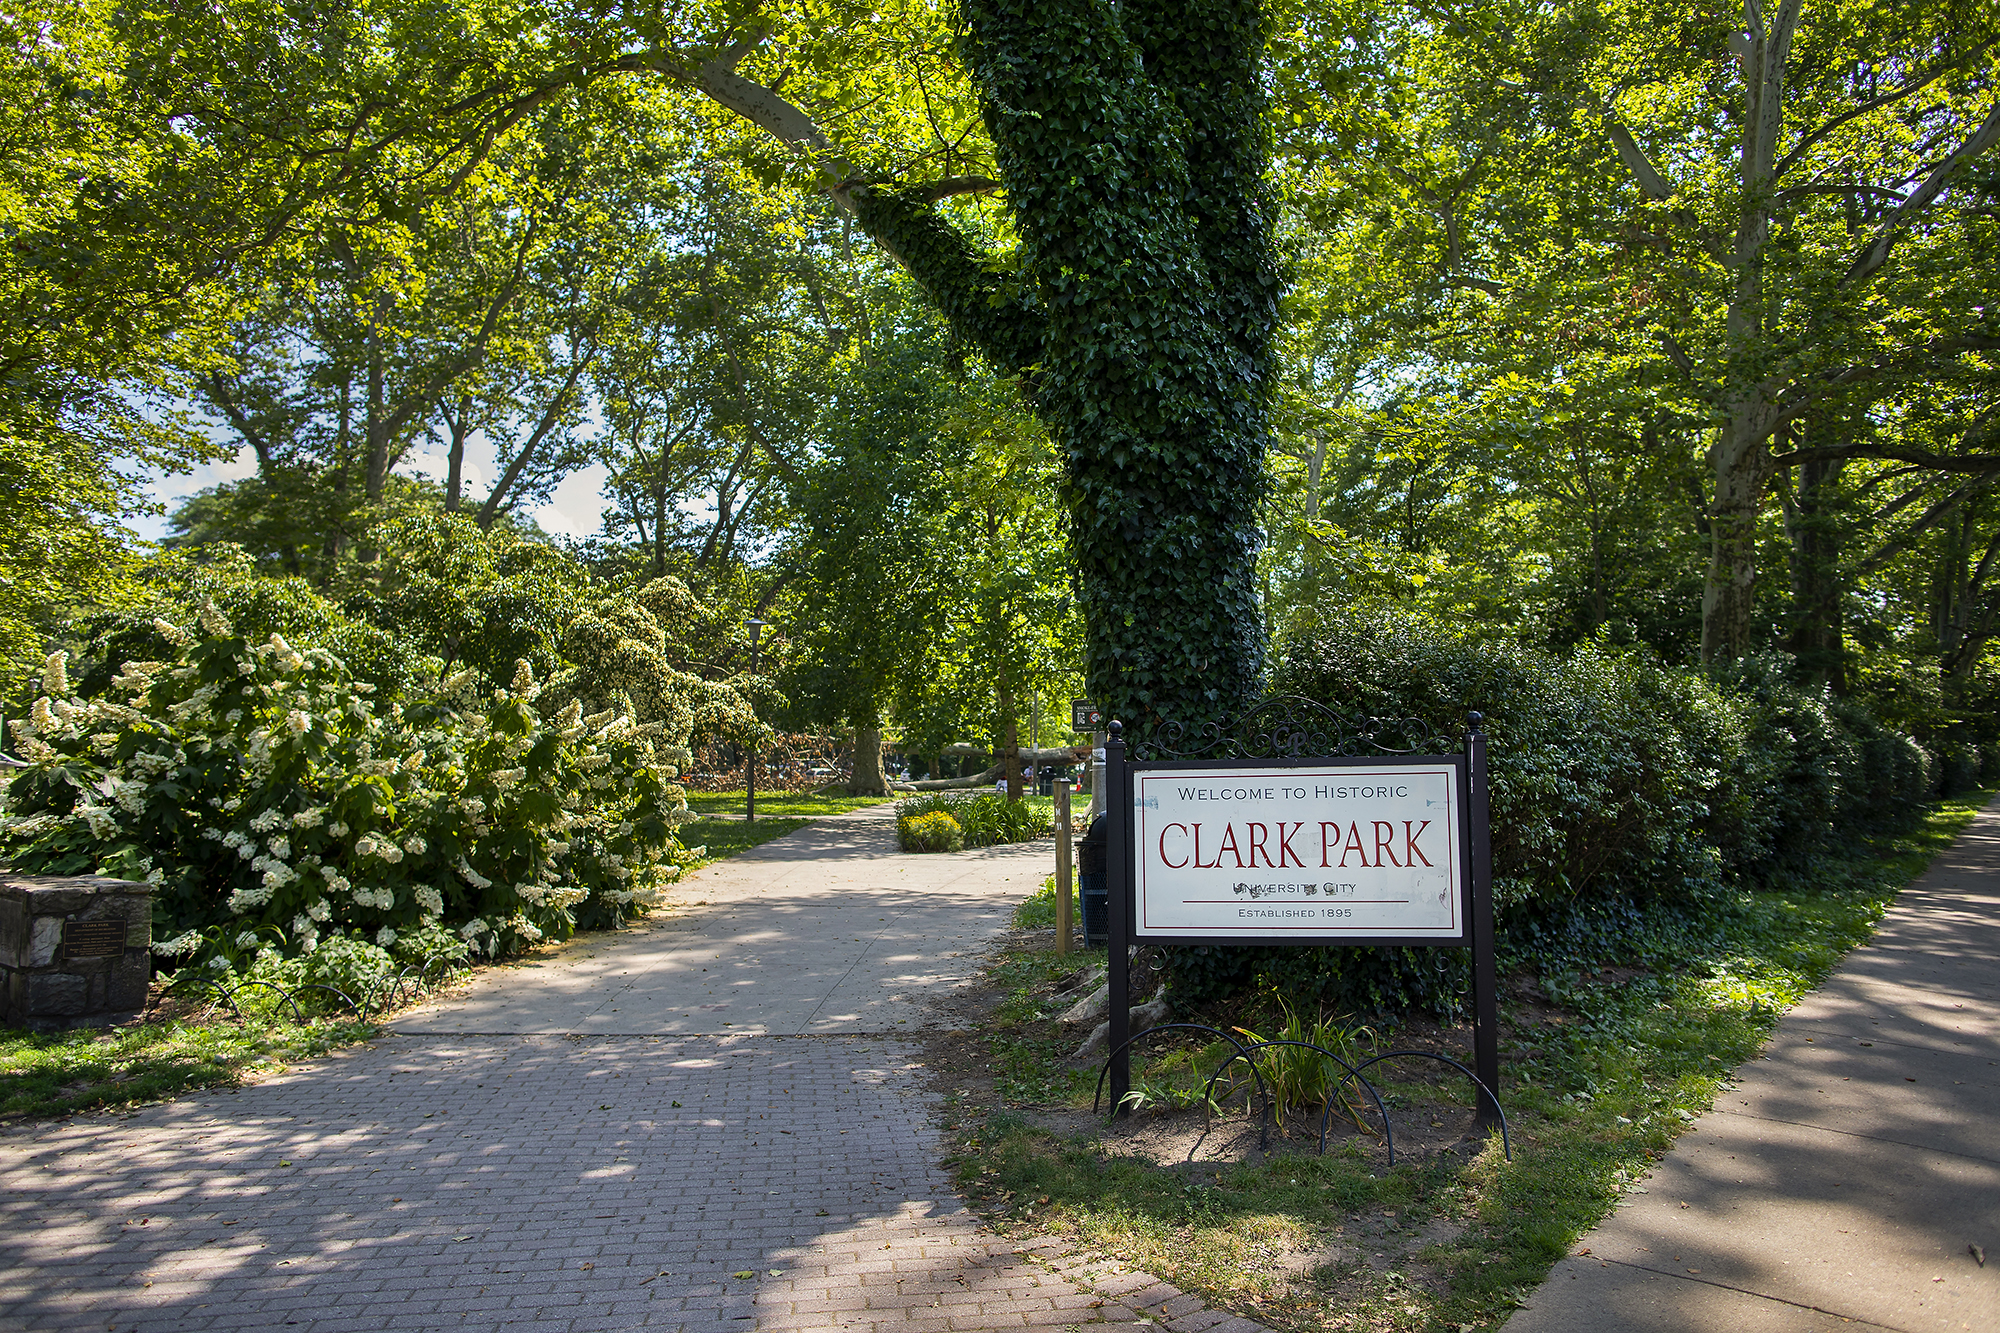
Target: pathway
<point>612,1139</point>
<point>829,929</point>
<point>1847,1176</point>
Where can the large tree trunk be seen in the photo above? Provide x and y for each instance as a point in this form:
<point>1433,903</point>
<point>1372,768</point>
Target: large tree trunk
<point>1010,745</point>
<point>1133,146</point>
<point>868,779</point>
<point>1817,637</point>
<point>1740,458</point>
<point>1728,602</point>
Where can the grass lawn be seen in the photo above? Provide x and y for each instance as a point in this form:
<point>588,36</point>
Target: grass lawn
<point>1601,1074</point>
<point>778,813</point>
<point>782,805</point>
<point>57,1073</point>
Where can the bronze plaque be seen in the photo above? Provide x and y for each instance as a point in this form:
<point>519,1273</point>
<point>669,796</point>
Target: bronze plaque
<point>93,939</point>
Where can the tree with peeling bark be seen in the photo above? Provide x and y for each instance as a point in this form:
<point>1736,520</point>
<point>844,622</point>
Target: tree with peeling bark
<point>1794,188</point>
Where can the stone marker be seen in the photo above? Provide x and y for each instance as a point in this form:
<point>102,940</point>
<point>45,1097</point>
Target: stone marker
<point>75,950</point>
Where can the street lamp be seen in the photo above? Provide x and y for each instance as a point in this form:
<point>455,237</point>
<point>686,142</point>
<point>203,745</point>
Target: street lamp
<point>756,628</point>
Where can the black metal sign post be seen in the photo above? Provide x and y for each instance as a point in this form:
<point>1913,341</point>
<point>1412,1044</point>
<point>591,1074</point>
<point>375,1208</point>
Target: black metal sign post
<point>1290,745</point>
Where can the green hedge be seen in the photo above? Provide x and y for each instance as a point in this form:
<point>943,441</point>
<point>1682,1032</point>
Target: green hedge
<point>1627,796</point>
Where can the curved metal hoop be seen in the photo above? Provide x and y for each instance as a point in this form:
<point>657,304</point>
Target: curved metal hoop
<point>412,975</point>
<point>1388,1132</point>
<point>1291,726</point>
<point>1248,1053</point>
<point>1262,1091</point>
<point>1506,1139</point>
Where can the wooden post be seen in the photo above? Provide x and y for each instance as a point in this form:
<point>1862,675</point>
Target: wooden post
<point>1064,945</point>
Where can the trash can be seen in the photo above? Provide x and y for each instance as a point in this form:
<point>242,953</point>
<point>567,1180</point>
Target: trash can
<point>1091,886</point>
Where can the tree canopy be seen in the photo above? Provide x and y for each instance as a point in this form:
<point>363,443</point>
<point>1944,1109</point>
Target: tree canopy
<point>998,350</point>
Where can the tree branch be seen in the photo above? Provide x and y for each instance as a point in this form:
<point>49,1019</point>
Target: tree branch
<point>1651,182</point>
<point>1786,162</point>
<point>1876,252</point>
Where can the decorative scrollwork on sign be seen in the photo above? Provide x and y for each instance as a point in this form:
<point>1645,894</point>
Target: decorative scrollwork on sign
<point>1286,726</point>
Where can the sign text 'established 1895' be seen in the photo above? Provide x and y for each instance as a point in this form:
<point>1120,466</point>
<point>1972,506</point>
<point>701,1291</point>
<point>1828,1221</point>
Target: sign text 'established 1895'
<point>1324,852</point>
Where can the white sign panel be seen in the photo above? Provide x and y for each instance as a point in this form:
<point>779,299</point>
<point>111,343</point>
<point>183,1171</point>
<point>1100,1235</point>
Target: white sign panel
<point>1275,853</point>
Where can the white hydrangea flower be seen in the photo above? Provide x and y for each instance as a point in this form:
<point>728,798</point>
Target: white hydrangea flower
<point>318,910</point>
<point>213,622</point>
<point>385,936</point>
<point>283,656</point>
<point>473,929</point>
<point>309,818</point>
<point>178,945</point>
<point>338,828</point>
<point>266,820</point>
<point>279,847</point>
<point>471,876</point>
<point>244,900</point>
<point>505,778</point>
<point>298,722</point>
<point>173,633</point>
<point>430,900</point>
<point>246,668</point>
<point>55,680</point>
<point>415,845</point>
<point>103,823</point>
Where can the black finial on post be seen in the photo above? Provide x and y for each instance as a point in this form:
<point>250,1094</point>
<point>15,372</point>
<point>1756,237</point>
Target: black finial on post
<point>1117,730</point>
<point>1472,721</point>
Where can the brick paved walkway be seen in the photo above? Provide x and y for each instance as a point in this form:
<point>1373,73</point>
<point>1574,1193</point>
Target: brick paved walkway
<point>521,1182</point>
<point>531,1174</point>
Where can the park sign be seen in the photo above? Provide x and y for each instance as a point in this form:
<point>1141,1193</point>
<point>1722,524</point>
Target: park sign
<point>1291,825</point>
<point>1322,852</point>
<point>1084,716</point>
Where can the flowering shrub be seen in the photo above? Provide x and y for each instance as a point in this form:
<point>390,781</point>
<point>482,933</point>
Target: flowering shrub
<point>268,798</point>
<point>934,832</point>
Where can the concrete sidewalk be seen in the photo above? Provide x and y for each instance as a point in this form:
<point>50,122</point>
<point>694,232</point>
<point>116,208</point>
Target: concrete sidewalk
<point>1846,1177</point>
<point>829,929</point>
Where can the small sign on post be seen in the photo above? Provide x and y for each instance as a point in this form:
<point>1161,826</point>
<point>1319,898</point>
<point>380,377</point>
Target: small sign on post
<point>1084,716</point>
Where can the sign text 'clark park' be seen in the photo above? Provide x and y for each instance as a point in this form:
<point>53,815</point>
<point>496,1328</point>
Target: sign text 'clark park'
<point>1373,853</point>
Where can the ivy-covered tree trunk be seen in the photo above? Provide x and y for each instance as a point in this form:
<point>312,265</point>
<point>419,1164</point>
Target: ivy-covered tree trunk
<point>1132,145</point>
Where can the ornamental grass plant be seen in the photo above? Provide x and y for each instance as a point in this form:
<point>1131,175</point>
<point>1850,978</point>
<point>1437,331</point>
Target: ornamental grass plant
<point>275,805</point>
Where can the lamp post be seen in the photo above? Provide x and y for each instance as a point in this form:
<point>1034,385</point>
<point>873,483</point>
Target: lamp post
<point>756,628</point>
